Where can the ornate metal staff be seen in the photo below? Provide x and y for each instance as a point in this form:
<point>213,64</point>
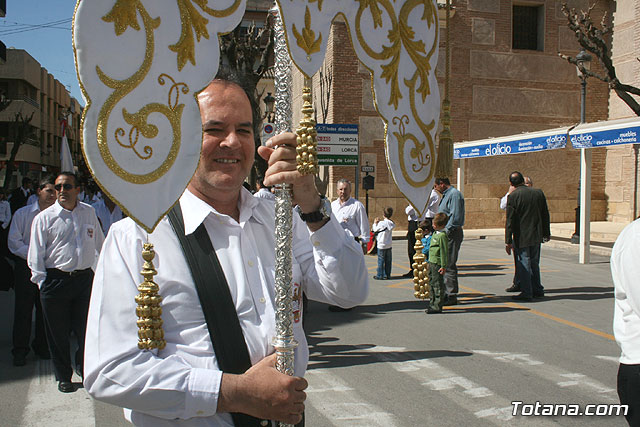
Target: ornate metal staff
<point>306,158</point>
<point>284,341</point>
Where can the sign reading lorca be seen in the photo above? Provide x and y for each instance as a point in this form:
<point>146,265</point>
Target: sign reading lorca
<point>337,144</point>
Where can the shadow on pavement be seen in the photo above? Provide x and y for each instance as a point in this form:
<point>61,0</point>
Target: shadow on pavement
<point>336,356</point>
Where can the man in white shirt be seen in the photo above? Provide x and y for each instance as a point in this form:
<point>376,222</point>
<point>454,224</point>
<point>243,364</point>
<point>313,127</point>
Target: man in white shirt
<point>182,384</point>
<point>107,212</point>
<point>27,294</point>
<point>65,240</point>
<point>351,213</point>
<point>263,192</point>
<point>413,219</point>
<point>626,316</point>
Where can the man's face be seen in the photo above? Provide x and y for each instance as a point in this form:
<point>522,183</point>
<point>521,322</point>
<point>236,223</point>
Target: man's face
<point>46,195</point>
<point>344,191</point>
<point>440,187</point>
<point>227,142</point>
<point>66,191</point>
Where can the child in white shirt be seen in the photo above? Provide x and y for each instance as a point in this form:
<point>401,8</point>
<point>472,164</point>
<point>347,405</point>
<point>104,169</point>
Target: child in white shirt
<point>382,230</point>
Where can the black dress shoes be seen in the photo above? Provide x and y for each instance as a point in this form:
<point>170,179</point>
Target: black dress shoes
<point>66,387</point>
<point>513,288</point>
<point>432,311</point>
<point>521,297</point>
<point>538,294</point>
<point>409,274</point>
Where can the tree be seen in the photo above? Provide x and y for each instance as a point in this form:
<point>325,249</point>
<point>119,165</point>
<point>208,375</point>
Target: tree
<point>22,130</point>
<point>249,51</point>
<point>594,39</point>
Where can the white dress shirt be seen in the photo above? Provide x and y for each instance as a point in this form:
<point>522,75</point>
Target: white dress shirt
<point>63,239</point>
<point>353,217</point>
<point>32,199</point>
<point>432,204</point>
<point>5,214</point>
<point>625,272</point>
<point>503,202</point>
<point>180,384</point>
<point>20,230</point>
<point>107,217</point>
<point>265,193</point>
<point>384,239</point>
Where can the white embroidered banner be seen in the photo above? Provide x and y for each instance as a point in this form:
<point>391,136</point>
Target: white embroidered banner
<point>141,64</point>
<point>398,42</point>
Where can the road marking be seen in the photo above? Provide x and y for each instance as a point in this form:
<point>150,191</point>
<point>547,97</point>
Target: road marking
<point>552,373</point>
<point>339,403</point>
<point>615,359</point>
<point>478,400</point>
<point>46,406</point>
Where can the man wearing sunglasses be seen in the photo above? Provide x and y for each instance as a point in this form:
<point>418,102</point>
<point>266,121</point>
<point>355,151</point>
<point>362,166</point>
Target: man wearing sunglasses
<point>65,241</point>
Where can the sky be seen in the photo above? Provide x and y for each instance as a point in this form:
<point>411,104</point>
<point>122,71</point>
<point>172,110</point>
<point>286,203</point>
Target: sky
<point>43,29</point>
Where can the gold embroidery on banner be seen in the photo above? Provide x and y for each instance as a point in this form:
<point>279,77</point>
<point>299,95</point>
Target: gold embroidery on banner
<point>123,15</point>
<point>319,4</point>
<point>138,121</point>
<point>194,22</point>
<point>400,34</point>
<point>307,40</point>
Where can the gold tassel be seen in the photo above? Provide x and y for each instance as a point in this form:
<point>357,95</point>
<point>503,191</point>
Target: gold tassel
<point>307,144</point>
<point>444,165</point>
<point>420,273</point>
<point>149,311</point>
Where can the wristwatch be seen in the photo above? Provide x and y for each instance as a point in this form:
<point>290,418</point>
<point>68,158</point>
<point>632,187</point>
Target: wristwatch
<point>323,212</point>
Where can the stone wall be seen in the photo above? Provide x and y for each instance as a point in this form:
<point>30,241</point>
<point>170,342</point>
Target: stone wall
<point>621,180</point>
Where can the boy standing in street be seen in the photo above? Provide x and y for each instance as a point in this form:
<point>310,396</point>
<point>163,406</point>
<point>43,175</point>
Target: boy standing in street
<point>438,259</point>
<point>382,230</point>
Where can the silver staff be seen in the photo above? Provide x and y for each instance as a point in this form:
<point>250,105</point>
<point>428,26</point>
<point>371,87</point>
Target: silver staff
<point>284,341</point>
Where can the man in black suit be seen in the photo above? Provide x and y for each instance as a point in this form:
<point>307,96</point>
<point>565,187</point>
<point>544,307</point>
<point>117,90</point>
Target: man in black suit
<point>20,195</point>
<point>526,228</point>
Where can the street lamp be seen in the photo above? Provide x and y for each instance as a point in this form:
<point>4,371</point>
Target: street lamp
<point>583,211</point>
<point>269,102</point>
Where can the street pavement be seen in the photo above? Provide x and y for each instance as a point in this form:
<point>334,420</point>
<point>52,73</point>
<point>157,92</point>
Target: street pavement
<point>387,363</point>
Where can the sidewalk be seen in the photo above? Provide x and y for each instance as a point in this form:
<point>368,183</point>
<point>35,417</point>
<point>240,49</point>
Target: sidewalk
<point>603,235</point>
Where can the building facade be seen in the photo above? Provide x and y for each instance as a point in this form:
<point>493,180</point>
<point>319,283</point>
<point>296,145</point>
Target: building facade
<point>506,77</point>
<point>35,94</point>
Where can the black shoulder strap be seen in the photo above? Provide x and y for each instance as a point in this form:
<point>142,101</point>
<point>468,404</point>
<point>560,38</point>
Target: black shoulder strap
<point>215,298</point>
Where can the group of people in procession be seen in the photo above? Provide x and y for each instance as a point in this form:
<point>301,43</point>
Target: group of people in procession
<point>207,375</point>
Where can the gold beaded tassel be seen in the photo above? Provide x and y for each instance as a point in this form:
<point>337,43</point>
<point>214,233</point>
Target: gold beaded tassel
<point>420,273</point>
<point>150,333</point>
<point>307,158</point>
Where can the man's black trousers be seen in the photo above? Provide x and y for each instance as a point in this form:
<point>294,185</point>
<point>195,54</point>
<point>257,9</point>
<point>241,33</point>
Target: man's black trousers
<point>27,297</point>
<point>65,304</point>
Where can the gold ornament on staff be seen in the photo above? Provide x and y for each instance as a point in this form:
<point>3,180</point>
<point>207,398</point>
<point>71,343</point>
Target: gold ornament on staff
<point>420,272</point>
<point>307,144</point>
<point>150,333</point>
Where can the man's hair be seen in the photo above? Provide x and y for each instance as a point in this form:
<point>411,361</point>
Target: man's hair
<point>26,180</point>
<point>528,178</point>
<point>388,211</point>
<point>440,220</point>
<point>344,181</point>
<point>226,74</point>
<point>516,179</point>
<point>443,180</point>
<point>70,174</point>
<point>49,179</point>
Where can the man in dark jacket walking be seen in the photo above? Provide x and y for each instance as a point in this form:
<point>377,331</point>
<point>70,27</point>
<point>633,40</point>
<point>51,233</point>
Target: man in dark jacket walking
<point>526,228</point>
